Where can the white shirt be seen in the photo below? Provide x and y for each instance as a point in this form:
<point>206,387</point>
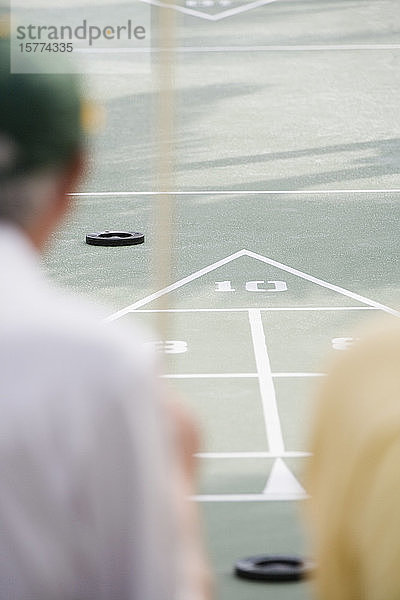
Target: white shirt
<point>84,509</point>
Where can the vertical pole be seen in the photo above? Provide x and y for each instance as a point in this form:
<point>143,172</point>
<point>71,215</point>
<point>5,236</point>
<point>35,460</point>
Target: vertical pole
<point>165,207</point>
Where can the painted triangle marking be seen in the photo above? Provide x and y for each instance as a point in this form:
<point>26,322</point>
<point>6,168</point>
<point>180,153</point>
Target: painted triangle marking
<point>325,284</point>
<point>283,484</point>
<point>181,9</point>
<point>260,257</point>
<point>210,17</point>
<point>176,285</point>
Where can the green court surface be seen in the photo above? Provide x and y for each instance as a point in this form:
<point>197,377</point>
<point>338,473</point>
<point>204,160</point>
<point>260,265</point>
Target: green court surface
<point>286,238</point>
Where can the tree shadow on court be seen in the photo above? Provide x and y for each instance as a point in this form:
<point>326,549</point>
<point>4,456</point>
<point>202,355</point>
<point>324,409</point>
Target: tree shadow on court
<point>295,23</point>
<point>124,155</point>
<point>384,159</point>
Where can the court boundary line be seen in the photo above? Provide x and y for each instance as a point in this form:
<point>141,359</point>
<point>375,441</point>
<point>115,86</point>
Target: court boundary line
<point>212,267</point>
<point>291,48</point>
<point>236,192</point>
<point>209,376</point>
<point>238,49</point>
<point>270,497</point>
<point>279,375</point>
<point>269,309</point>
<point>237,455</point>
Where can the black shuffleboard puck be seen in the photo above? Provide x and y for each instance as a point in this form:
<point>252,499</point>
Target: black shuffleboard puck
<point>115,238</point>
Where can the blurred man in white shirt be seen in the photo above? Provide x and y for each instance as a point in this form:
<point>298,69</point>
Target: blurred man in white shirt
<point>94,469</point>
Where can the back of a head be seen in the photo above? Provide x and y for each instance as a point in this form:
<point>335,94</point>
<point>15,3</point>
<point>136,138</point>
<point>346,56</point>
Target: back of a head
<point>353,474</point>
<point>40,133</point>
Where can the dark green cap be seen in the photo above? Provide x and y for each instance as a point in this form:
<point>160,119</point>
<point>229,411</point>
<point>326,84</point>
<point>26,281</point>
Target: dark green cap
<point>40,118</point>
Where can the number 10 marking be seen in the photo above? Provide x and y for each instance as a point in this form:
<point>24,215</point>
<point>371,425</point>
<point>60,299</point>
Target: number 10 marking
<point>253,286</point>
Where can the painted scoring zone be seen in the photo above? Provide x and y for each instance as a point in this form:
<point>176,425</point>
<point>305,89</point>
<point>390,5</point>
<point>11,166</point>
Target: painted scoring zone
<point>188,7</point>
<point>281,485</point>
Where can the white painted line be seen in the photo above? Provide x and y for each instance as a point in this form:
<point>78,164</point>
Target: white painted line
<point>116,50</point>
<point>283,375</point>
<point>235,455</point>
<point>271,309</point>
<point>290,48</point>
<point>267,390</point>
<point>236,49</point>
<point>324,284</point>
<point>234,375</point>
<point>210,376</point>
<point>192,310</point>
<point>175,286</point>
<point>247,497</point>
<point>236,193</point>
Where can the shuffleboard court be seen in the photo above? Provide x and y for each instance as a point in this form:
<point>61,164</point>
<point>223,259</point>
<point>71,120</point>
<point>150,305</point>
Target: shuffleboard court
<point>247,343</point>
<point>287,194</point>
